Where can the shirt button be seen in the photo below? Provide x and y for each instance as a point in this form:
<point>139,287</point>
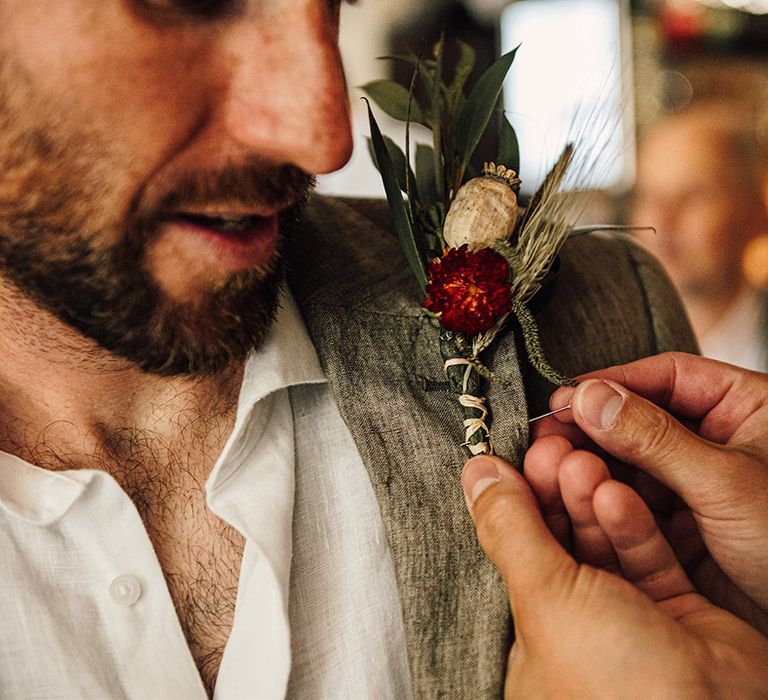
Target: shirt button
<point>125,590</point>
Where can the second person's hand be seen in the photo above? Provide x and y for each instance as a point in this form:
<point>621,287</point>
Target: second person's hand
<point>717,463</point>
<point>583,632</point>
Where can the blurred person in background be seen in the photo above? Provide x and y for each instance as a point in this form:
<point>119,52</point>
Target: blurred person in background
<point>700,184</point>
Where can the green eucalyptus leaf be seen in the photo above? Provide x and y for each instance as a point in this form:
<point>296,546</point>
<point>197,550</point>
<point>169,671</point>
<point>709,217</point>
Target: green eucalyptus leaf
<point>438,113</point>
<point>406,232</point>
<point>509,147</point>
<point>406,57</point>
<point>425,173</point>
<point>431,221</point>
<point>398,161</point>
<point>393,98</point>
<point>480,105</point>
<point>427,75</point>
<point>411,188</point>
<point>463,68</point>
<point>425,66</point>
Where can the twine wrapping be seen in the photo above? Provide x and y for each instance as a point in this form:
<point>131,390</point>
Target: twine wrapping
<point>465,381</point>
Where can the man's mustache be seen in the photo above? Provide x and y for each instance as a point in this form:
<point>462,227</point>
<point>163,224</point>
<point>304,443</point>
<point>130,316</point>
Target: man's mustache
<point>244,187</point>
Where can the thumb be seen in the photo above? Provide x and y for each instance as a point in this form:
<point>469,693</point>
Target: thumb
<point>645,436</point>
<point>513,534</point>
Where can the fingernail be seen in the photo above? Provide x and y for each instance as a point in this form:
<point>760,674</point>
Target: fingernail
<point>478,474</point>
<point>598,403</point>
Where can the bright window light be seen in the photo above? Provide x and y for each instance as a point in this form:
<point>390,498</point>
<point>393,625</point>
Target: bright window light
<point>569,80</point>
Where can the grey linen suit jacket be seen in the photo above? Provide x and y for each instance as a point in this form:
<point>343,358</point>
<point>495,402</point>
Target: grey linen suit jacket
<point>610,304</point>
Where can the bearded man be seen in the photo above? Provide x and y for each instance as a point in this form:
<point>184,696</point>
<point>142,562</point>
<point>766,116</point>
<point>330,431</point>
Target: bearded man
<point>196,498</point>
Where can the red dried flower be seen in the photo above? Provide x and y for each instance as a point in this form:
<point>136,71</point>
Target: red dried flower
<point>468,290</point>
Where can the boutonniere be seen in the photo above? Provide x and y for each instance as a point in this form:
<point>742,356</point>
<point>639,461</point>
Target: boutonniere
<point>477,256</point>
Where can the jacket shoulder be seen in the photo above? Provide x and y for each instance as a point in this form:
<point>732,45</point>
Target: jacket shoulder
<point>612,303</point>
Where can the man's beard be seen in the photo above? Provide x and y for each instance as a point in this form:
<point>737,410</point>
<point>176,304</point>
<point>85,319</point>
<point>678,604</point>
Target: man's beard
<point>106,293</point>
<point>63,246</point>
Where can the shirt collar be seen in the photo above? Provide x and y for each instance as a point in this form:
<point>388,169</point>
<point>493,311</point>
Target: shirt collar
<point>288,358</point>
<point>35,495</point>
<point>252,483</point>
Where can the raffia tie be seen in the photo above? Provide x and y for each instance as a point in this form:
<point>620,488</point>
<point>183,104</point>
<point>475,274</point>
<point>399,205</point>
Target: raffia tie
<point>472,425</point>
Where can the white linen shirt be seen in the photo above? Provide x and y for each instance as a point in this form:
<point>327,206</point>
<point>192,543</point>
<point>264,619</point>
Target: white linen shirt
<point>84,608</point>
<point>739,336</point>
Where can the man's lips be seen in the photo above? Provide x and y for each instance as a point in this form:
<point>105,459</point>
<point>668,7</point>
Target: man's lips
<point>228,224</point>
<point>233,241</point>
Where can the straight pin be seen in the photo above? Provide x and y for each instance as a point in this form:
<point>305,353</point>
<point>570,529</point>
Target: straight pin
<point>551,413</point>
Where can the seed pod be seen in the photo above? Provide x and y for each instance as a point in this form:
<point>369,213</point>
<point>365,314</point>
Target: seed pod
<point>484,209</point>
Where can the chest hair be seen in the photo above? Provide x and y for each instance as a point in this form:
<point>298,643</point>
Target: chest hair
<point>200,555</point>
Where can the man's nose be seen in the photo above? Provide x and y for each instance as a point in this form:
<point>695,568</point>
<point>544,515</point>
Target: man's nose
<point>287,100</point>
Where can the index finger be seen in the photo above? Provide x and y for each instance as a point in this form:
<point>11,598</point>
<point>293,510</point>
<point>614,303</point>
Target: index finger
<point>718,396</point>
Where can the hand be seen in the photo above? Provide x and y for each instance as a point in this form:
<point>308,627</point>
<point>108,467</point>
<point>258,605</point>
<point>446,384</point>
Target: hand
<point>716,462</point>
<point>585,632</point>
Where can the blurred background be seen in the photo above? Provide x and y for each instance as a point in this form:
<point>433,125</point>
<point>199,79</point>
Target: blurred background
<point>670,98</point>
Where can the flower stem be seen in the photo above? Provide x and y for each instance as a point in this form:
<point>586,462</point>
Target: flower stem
<point>533,347</point>
<point>466,382</point>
